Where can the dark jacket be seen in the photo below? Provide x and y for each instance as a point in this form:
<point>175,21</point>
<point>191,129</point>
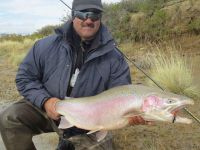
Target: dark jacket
<point>45,72</point>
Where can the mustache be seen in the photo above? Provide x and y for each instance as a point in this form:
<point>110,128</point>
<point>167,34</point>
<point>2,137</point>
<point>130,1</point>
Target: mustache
<point>88,25</point>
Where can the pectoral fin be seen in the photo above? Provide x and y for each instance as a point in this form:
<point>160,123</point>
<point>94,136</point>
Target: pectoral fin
<point>64,124</point>
<point>101,135</point>
<point>93,131</point>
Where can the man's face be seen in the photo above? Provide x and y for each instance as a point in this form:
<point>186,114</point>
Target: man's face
<point>86,28</point>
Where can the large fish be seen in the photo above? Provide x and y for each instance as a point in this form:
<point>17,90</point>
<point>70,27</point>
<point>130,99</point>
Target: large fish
<point>112,109</point>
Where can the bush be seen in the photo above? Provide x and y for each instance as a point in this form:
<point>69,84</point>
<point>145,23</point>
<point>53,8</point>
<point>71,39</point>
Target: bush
<point>155,27</point>
<point>118,16</point>
<point>194,26</point>
<point>12,37</point>
<point>130,5</point>
<point>46,30</point>
<point>117,20</point>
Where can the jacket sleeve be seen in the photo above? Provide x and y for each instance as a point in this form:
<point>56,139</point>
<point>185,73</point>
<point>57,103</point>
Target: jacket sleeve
<point>120,73</point>
<point>29,78</point>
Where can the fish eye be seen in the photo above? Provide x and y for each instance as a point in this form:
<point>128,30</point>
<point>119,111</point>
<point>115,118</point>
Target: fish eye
<point>170,101</point>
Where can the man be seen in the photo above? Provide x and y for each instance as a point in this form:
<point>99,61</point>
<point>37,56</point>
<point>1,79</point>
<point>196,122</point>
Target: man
<point>79,60</point>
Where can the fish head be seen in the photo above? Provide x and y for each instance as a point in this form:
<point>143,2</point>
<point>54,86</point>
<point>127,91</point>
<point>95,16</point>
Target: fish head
<point>164,107</point>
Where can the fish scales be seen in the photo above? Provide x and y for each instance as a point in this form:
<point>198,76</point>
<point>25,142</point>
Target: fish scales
<point>113,108</point>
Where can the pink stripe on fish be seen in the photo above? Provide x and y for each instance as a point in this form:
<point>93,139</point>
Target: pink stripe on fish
<point>100,108</point>
<point>118,104</point>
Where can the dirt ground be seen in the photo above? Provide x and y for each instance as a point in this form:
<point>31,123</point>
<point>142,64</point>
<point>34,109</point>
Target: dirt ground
<point>160,136</point>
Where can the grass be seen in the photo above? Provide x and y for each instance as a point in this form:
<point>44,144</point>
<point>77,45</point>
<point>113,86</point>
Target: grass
<point>15,51</point>
<point>11,54</point>
<point>171,70</point>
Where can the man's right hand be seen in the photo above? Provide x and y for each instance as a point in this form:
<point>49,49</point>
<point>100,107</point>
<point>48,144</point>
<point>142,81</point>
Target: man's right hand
<point>138,120</point>
<point>50,109</point>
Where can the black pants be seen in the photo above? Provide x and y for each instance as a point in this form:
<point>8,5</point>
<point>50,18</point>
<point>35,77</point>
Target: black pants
<point>20,122</point>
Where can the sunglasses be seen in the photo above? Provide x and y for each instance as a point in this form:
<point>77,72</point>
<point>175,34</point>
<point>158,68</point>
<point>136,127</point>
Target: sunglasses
<point>85,15</point>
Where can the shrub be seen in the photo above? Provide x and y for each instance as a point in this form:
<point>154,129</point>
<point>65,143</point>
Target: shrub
<point>46,30</point>
<point>117,17</point>
<point>12,37</point>
<point>118,21</point>
<point>155,26</point>
<point>194,26</point>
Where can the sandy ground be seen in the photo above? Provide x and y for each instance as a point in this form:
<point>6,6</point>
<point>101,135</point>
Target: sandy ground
<point>161,136</point>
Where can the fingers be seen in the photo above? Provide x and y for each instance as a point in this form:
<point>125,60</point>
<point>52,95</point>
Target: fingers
<point>53,115</point>
<point>138,120</point>
<point>49,107</point>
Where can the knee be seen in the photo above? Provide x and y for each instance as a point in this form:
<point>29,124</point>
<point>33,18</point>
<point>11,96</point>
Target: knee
<point>8,116</point>
<point>3,119</point>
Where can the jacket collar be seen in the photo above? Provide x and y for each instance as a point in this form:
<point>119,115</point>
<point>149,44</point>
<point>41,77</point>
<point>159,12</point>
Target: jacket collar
<point>102,44</point>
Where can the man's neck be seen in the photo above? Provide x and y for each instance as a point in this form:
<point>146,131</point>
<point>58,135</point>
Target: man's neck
<point>88,39</point>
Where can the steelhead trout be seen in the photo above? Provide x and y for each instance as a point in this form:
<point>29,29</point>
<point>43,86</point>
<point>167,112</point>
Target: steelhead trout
<point>112,109</point>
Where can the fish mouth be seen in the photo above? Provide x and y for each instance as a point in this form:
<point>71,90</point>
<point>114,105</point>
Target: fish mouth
<point>182,105</point>
<point>177,109</point>
<point>175,112</point>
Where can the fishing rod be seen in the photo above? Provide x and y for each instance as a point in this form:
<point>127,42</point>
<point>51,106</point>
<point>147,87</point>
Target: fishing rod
<point>190,113</point>
<point>66,5</point>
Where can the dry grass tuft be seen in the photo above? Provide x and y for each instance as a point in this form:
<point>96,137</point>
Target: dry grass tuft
<point>15,51</point>
<point>171,70</point>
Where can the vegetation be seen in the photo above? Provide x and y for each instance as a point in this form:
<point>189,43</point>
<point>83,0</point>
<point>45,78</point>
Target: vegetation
<point>171,71</point>
<point>44,31</point>
<point>14,47</point>
<point>194,26</point>
<point>145,20</point>
<point>15,51</point>
<point>120,18</point>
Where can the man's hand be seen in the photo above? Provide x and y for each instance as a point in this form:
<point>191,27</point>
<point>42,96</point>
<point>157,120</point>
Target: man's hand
<point>138,120</point>
<point>50,109</point>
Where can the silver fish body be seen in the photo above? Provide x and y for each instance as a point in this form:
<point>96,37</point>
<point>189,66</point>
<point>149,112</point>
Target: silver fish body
<point>112,109</point>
